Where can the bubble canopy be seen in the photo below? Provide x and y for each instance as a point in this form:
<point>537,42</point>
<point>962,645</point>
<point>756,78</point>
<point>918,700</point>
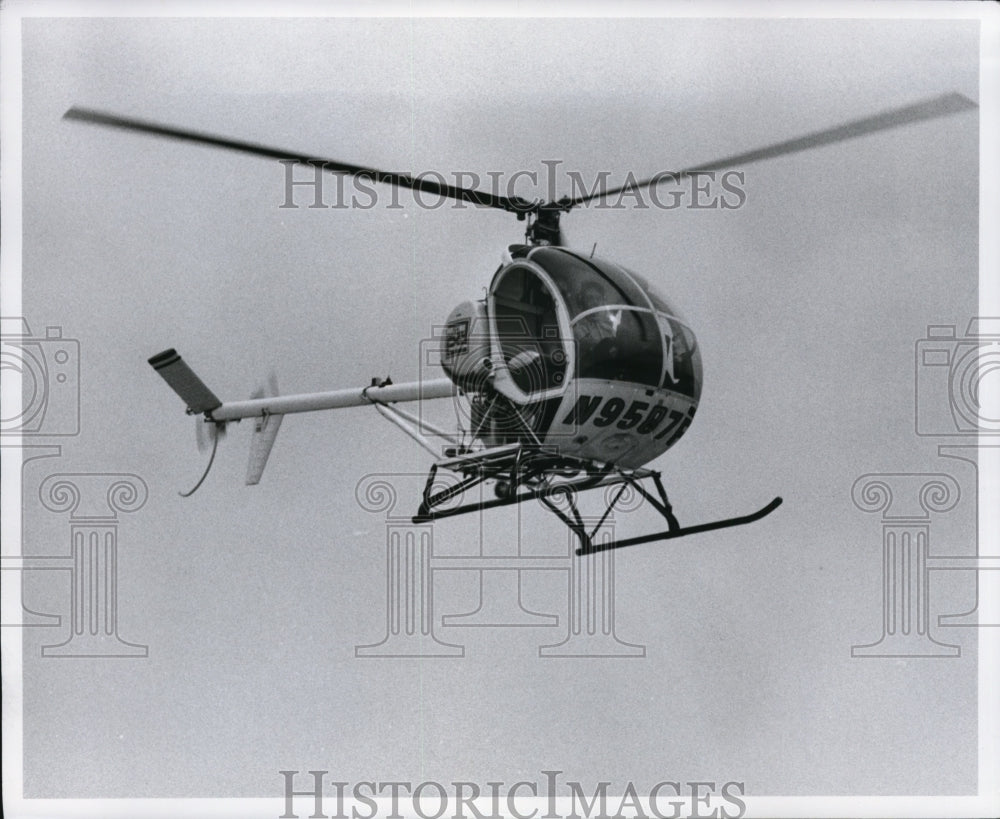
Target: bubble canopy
<point>559,309</point>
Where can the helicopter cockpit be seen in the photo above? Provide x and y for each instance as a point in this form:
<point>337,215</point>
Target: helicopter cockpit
<point>557,314</point>
<point>558,328</point>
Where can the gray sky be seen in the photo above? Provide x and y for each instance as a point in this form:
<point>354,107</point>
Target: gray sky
<point>807,303</point>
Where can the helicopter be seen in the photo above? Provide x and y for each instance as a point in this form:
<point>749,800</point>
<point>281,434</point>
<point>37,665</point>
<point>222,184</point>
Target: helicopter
<point>575,372</point>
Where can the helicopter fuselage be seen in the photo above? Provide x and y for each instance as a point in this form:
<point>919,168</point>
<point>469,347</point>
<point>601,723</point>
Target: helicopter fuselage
<point>577,355</point>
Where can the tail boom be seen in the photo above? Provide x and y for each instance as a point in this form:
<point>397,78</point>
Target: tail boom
<point>269,408</point>
<point>335,399</point>
<point>200,398</point>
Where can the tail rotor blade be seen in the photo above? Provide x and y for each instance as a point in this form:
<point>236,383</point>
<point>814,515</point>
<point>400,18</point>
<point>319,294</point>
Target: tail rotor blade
<point>203,434</point>
<point>207,432</point>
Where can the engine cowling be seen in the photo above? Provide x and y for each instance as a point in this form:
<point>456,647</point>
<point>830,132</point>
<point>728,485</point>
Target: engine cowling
<point>465,354</point>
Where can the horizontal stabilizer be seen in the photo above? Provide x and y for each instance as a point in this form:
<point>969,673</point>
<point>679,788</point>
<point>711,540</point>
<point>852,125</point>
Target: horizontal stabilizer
<point>184,382</point>
<point>265,430</point>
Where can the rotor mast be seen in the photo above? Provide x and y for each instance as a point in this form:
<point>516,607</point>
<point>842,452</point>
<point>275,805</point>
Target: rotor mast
<point>543,223</point>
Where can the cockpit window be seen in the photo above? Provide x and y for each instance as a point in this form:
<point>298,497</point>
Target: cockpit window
<point>616,334</point>
<point>659,303</point>
<point>528,331</point>
<point>683,359</point>
<point>618,344</point>
<point>585,282</point>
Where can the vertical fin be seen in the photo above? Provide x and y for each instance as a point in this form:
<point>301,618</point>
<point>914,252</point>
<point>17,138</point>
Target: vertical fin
<point>265,430</point>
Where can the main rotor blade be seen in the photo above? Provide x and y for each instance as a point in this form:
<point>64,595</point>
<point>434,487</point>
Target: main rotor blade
<point>401,180</point>
<point>940,106</point>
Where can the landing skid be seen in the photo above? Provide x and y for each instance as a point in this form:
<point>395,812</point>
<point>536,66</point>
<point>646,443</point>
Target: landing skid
<point>590,547</point>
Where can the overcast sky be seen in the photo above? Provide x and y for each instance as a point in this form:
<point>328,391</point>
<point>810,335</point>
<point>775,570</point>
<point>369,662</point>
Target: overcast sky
<point>807,303</point>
